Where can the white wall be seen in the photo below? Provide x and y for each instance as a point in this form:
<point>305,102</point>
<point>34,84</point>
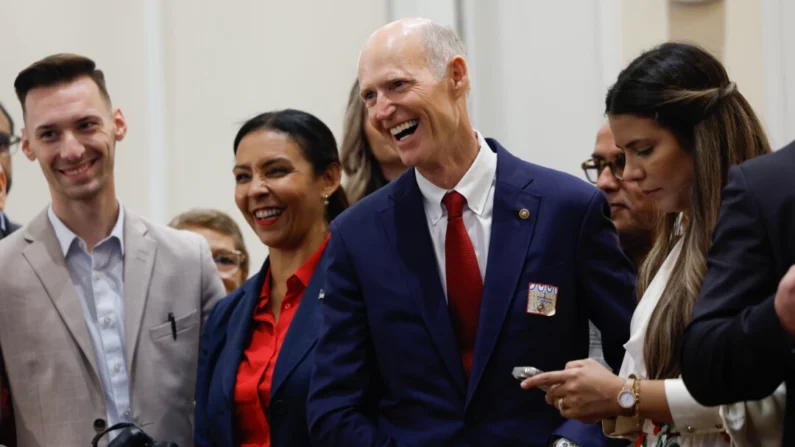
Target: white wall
<point>539,76</point>
<point>109,32</point>
<point>225,65</point>
<point>778,61</point>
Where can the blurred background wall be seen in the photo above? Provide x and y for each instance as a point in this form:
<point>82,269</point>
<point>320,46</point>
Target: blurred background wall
<point>186,73</point>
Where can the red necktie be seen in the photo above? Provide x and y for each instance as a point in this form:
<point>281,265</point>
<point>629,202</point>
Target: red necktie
<point>464,284</point>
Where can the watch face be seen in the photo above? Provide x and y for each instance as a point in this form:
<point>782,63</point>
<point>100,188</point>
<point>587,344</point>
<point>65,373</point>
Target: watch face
<point>626,399</point>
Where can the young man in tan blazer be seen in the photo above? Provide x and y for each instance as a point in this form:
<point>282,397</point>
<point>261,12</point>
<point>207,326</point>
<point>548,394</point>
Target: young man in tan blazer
<point>100,311</point>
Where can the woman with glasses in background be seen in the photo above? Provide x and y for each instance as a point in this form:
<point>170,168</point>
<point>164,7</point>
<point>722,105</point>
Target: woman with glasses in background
<point>226,242</point>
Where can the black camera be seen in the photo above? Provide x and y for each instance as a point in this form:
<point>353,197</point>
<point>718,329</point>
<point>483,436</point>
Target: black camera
<point>131,436</point>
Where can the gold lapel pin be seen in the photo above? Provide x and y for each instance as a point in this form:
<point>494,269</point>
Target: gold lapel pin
<point>524,214</point>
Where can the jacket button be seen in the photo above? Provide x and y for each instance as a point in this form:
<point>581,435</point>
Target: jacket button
<point>100,425</point>
<point>279,407</point>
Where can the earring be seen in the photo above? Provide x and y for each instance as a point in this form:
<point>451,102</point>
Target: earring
<point>325,201</point>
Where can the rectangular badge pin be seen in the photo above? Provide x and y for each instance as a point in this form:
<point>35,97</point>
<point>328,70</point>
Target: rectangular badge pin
<point>542,299</point>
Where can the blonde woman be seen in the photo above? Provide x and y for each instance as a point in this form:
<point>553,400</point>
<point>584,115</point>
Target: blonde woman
<point>680,123</point>
<point>369,160</point>
<point>225,239</point>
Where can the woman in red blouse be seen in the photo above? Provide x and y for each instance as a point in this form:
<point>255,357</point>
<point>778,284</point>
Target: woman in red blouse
<point>257,348</point>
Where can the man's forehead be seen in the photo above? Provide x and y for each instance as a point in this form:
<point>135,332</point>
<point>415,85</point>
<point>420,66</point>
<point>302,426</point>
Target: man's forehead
<point>391,51</point>
<point>64,101</point>
<point>375,73</point>
<point>606,147</point>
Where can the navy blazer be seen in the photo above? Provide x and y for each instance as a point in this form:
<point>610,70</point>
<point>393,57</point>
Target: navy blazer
<point>735,349</point>
<point>387,368</point>
<point>227,334</point>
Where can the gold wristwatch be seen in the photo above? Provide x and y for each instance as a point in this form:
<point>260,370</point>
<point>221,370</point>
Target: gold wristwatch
<point>629,396</point>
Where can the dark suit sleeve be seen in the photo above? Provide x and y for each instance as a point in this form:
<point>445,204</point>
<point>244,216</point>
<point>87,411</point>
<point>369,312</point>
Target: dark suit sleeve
<point>203,378</point>
<point>606,286</point>
<point>735,347</point>
<point>605,280</point>
<point>343,378</point>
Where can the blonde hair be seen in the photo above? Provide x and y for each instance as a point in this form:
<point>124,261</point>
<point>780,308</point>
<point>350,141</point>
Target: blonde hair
<point>358,161</point>
<point>217,221</point>
<point>688,92</point>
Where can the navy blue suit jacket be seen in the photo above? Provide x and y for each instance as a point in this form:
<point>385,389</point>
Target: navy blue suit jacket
<point>735,349</point>
<point>227,334</point>
<point>387,368</point>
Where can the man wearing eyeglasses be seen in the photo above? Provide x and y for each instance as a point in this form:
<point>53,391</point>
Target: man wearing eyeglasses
<point>8,145</point>
<point>631,212</point>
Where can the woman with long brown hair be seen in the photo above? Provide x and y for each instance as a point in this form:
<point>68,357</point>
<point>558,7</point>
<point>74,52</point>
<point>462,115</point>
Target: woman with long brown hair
<point>680,123</point>
<point>369,160</point>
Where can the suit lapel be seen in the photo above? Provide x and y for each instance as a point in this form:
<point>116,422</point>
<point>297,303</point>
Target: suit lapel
<point>46,258</point>
<point>139,259</point>
<point>407,227</point>
<point>238,332</point>
<point>509,242</point>
<point>302,333</point>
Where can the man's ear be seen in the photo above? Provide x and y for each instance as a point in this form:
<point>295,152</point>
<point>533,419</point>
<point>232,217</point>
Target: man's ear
<point>120,125</point>
<point>3,186</point>
<point>26,145</point>
<point>458,72</point>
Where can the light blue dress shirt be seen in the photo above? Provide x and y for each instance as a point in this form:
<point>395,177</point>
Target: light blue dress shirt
<point>98,278</point>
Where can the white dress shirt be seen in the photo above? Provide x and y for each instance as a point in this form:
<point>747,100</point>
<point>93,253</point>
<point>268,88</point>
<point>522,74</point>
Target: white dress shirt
<point>98,278</point>
<point>477,186</point>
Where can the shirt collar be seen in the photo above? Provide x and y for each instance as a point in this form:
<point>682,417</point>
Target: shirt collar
<point>474,185</point>
<point>66,237</point>
<point>3,224</point>
<point>303,275</point>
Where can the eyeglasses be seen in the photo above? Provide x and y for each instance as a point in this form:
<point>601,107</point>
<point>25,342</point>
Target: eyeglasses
<point>228,262</point>
<point>593,168</point>
<point>8,143</point>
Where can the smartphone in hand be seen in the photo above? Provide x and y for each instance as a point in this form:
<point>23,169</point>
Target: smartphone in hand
<point>524,372</point>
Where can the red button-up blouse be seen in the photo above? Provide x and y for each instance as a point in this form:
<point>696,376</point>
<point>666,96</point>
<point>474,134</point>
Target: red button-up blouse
<point>255,373</point>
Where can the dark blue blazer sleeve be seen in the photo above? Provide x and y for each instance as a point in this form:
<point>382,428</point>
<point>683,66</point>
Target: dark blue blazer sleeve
<point>606,280</point>
<point>203,377</point>
<point>338,402</point>
<point>734,347</point>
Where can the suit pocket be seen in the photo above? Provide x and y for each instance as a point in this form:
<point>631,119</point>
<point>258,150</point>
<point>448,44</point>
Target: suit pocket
<point>181,324</point>
<point>542,288</point>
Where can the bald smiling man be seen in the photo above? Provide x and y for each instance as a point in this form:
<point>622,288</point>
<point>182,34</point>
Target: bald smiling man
<point>471,263</point>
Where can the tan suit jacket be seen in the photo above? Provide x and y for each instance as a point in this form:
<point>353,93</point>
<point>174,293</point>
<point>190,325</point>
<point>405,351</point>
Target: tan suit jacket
<point>55,387</point>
